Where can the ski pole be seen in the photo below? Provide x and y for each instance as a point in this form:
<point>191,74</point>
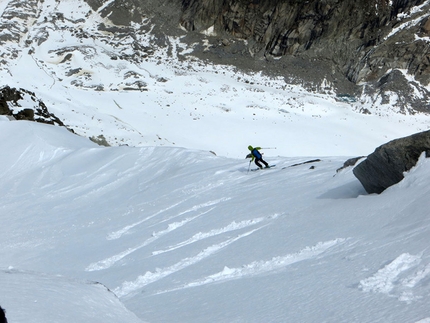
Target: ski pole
<point>269,148</point>
<point>249,166</point>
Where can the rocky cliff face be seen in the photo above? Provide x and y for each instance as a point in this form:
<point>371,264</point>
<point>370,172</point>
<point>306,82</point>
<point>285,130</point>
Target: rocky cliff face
<point>363,41</point>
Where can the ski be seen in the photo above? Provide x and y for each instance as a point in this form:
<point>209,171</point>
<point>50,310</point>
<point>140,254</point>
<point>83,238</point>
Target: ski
<point>270,166</point>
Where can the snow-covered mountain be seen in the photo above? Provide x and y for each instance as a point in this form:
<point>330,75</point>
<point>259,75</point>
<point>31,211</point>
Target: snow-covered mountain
<point>138,88</point>
<point>171,224</point>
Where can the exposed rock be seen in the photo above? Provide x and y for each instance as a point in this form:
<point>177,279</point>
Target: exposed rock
<point>10,105</point>
<point>165,14</point>
<point>426,26</point>
<point>386,165</point>
<point>409,96</point>
<point>342,42</point>
<point>100,140</point>
<point>25,114</point>
<point>346,31</point>
<point>361,41</point>
<point>306,162</point>
<point>350,162</point>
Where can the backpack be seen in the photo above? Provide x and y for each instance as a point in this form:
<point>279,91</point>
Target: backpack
<point>256,153</point>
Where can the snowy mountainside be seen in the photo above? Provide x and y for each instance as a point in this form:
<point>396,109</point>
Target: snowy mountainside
<point>137,88</point>
<point>185,236</point>
<point>176,234</point>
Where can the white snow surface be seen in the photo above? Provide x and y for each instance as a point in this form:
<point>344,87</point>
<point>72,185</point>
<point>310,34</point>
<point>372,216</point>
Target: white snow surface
<point>181,235</point>
<point>163,230</point>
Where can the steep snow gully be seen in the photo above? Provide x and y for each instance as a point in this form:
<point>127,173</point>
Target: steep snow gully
<point>180,235</point>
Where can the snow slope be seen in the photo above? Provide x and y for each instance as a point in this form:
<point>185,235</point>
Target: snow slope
<point>182,235</point>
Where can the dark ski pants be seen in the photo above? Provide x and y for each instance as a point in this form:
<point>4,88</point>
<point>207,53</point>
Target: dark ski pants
<point>258,160</point>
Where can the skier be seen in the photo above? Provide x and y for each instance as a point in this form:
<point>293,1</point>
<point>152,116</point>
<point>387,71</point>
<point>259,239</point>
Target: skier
<point>255,154</point>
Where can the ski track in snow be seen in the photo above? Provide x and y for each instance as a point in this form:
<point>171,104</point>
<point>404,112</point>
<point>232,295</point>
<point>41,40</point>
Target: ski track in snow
<point>204,235</point>
<point>390,279</point>
<point>197,207</point>
<point>118,234</point>
<point>106,263</point>
<point>262,266</point>
<point>128,287</point>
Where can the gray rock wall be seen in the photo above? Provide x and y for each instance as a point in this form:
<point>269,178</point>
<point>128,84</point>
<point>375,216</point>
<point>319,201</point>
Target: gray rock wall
<point>386,165</point>
<point>352,34</point>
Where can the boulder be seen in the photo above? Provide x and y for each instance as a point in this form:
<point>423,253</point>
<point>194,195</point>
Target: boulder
<point>386,165</point>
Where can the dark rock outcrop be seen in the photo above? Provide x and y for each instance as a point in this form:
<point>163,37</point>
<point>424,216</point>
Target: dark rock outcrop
<point>386,165</point>
<point>10,105</point>
<point>3,318</point>
<point>355,35</point>
<point>350,162</point>
<point>345,42</point>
